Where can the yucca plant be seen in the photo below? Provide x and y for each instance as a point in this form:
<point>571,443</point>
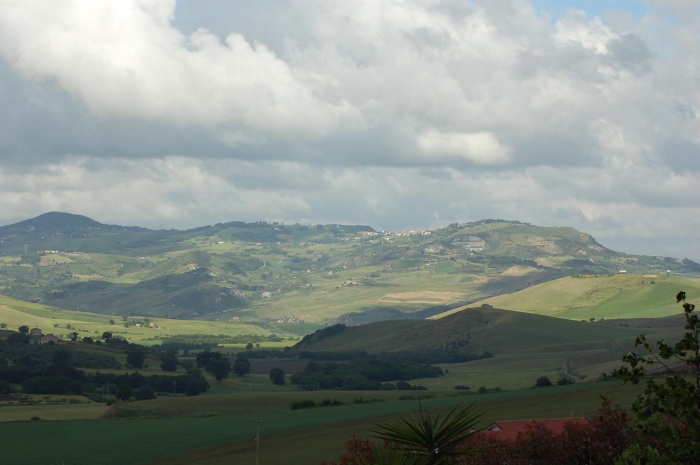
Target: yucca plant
<point>431,440</point>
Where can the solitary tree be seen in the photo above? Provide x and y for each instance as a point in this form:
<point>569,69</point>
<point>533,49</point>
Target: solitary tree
<point>196,383</point>
<point>107,335</point>
<point>241,367</point>
<point>135,358</point>
<point>543,381</point>
<point>219,368</point>
<point>169,361</point>
<point>277,376</point>
<point>111,321</point>
<point>73,336</point>
<point>24,329</point>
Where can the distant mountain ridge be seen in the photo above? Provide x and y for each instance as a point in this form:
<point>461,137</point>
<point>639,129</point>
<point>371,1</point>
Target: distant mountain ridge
<point>281,274</point>
<point>52,220</point>
<point>57,220</point>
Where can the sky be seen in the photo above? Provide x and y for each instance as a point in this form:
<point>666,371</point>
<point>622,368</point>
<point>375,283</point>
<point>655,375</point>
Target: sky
<point>394,114</point>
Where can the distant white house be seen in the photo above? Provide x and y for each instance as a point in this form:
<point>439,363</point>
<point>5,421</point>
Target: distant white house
<point>622,272</point>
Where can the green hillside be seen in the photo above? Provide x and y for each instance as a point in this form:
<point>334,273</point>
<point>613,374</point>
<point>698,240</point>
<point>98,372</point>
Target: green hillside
<point>608,297</point>
<point>53,320</point>
<point>295,275</point>
<point>484,329</point>
<point>524,346</point>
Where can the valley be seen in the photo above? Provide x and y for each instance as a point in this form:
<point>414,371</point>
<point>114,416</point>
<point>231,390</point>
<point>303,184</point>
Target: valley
<point>474,312</point>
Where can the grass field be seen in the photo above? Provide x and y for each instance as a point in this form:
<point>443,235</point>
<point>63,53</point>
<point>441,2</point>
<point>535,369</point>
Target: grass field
<point>314,444</point>
<point>609,297</point>
<point>84,441</point>
<point>53,320</point>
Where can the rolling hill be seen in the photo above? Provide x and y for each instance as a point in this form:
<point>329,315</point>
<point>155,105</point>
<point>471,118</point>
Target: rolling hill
<point>53,320</point>
<point>272,273</point>
<point>607,297</point>
<point>523,346</point>
<point>480,329</point>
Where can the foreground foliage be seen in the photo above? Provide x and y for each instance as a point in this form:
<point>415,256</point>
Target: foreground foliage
<point>437,441</point>
<point>669,412</point>
<point>421,440</point>
<point>600,442</point>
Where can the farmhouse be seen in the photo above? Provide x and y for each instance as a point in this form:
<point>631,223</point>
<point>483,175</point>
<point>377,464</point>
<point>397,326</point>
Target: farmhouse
<point>37,337</point>
<point>47,339</point>
<point>508,430</point>
<point>470,243</point>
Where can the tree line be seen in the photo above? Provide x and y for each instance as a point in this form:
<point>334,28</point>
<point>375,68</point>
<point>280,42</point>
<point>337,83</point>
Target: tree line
<point>362,374</point>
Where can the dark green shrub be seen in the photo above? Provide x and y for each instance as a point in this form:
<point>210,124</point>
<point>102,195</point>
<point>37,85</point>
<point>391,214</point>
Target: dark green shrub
<point>306,403</point>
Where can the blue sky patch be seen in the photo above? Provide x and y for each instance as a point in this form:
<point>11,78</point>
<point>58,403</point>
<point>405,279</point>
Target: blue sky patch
<point>558,8</point>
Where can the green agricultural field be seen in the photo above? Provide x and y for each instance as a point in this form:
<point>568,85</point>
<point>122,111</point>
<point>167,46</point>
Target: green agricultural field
<point>83,441</point>
<point>608,297</point>
<point>54,320</point>
<point>315,444</point>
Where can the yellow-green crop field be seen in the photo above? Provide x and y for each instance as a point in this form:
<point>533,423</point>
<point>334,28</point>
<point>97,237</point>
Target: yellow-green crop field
<point>599,296</point>
<point>53,320</point>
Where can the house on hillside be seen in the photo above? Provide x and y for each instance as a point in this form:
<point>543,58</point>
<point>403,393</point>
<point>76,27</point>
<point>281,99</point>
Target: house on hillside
<point>37,337</point>
<point>508,430</point>
<point>47,339</point>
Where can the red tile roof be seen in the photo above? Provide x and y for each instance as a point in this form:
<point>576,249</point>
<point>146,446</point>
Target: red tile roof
<point>507,430</point>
